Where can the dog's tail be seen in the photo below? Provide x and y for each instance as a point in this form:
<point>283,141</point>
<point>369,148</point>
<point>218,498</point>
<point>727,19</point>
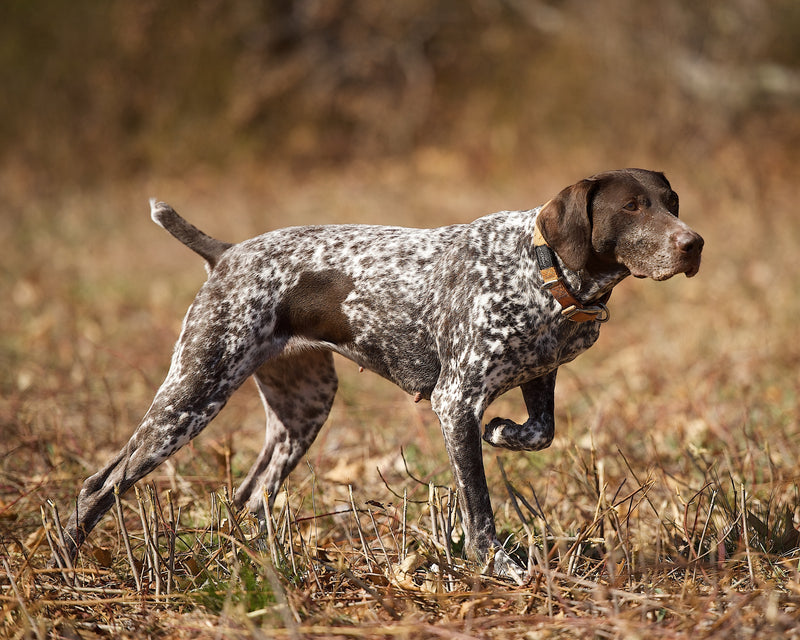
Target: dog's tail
<point>210,249</point>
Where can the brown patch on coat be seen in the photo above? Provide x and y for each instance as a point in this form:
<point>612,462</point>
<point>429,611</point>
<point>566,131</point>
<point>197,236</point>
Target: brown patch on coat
<point>312,308</point>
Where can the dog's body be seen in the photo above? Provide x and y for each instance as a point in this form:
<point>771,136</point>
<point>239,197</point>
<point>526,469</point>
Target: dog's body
<point>457,315</point>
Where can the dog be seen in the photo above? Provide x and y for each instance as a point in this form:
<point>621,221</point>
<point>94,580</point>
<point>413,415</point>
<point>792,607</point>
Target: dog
<point>457,315</point>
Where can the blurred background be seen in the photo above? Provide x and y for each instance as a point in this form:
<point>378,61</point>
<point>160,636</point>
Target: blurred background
<point>95,92</point>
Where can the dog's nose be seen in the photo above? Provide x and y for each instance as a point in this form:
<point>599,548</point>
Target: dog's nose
<point>689,242</point>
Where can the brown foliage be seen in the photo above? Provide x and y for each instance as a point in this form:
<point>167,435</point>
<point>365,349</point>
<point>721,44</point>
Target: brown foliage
<point>146,86</point>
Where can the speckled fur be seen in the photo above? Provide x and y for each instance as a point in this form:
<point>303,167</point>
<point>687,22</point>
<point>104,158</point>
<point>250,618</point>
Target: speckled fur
<point>455,315</point>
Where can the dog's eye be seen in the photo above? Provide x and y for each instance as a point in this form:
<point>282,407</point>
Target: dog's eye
<point>672,204</point>
<point>631,206</point>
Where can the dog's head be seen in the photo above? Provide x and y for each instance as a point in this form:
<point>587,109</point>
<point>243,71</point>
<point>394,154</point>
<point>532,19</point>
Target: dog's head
<point>627,217</point>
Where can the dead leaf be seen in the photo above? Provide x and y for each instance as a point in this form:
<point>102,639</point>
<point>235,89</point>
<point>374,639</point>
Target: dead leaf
<point>103,557</point>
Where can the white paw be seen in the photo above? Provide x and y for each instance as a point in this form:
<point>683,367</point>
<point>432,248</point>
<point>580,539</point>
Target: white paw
<point>503,565</point>
<point>508,435</point>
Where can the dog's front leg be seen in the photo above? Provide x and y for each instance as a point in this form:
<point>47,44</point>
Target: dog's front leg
<point>460,421</point>
<point>538,430</point>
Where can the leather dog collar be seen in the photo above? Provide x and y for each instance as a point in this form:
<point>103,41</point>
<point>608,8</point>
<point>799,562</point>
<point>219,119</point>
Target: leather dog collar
<point>572,308</point>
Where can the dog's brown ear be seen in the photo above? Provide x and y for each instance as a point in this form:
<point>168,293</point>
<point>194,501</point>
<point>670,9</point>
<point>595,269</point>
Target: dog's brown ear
<point>566,225</point>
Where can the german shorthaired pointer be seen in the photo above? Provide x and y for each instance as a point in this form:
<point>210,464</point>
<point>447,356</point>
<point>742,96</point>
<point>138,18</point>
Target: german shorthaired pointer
<point>457,315</point>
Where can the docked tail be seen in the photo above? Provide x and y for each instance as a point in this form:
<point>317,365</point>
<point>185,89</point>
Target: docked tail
<point>209,248</point>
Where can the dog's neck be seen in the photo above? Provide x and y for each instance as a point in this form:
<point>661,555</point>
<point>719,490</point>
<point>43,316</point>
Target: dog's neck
<point>581,294</point>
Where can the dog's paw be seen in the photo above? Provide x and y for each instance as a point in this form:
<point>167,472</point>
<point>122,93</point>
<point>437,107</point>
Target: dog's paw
<point>503,565</point>
<point>496,432</point>
<point>507,434</point>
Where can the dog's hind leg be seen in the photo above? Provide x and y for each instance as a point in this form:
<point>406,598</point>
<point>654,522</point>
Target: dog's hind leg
<point>297,390</point>
<point>214,355</point>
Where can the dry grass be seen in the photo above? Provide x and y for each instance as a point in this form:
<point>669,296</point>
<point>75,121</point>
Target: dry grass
<point>667,506</point>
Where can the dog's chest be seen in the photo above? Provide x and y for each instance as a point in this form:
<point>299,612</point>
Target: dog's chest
<point>539,344</point>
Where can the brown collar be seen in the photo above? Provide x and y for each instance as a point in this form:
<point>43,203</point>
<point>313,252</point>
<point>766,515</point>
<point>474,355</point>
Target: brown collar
<point>548,269</point>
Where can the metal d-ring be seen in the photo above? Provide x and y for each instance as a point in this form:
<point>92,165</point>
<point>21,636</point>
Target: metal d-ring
<point>603,314</point>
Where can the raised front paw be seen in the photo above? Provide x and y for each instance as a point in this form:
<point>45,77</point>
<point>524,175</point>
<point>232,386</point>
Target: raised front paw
<point>497,433</point>
<point>507,434</point>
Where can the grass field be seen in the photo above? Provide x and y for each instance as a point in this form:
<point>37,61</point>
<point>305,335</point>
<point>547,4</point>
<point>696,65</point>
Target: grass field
<point>667,507</point>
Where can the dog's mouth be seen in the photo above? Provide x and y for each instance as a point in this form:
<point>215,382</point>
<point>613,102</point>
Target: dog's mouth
<point>692,267</point>
<point>690,270</point>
